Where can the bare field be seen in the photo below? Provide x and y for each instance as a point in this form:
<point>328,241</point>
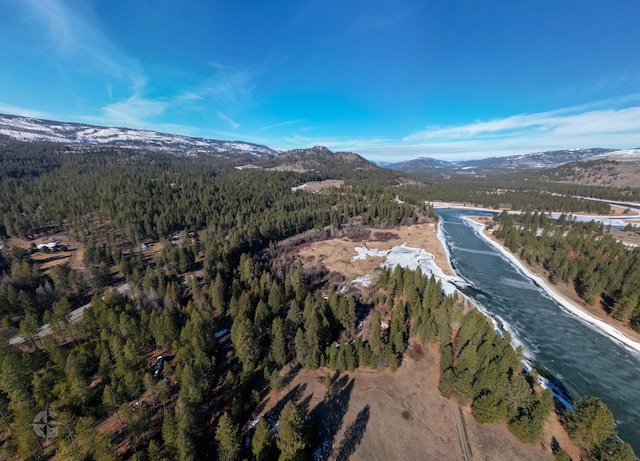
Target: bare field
<point>336,254</point>
<point>631,238</point>
<point>623,211</point>
<point>315,186</point>
<point>621,173</point>
<point>380,415</point>
<point>48,260</point>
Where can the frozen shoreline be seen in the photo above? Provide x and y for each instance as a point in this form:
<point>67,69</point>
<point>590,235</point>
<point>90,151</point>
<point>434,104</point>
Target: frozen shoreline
<point>569,306</point>
<point>607,220</point>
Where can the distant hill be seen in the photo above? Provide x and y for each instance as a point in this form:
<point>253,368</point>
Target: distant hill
<point>82,136</point>
<point>612,169</point>
<point>489,166</point>
<point>422,166</point>
<point>78,134</point>
<point>78,137</point>
<point>315,159</point>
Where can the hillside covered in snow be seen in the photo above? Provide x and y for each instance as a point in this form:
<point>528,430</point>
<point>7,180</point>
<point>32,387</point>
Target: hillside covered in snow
<point>37,130</point>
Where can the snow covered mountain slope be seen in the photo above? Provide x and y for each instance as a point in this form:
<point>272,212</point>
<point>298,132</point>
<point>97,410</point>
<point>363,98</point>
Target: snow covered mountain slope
<point>626,155</point>
<point>494,165</point>
<point>32,130</point>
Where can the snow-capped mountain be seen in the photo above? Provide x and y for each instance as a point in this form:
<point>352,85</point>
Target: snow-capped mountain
<point>626,155</point>
<point>33,129</point>
<point>535,160</point>
<point>482,167</point>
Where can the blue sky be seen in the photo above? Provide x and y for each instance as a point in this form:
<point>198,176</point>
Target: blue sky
<point>389,80</point>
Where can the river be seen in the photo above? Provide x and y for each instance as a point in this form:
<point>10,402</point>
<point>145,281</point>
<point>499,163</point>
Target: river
<point>577,357</point>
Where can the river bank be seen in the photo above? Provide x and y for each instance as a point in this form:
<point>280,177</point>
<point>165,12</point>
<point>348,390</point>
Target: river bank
<point>406,411</point>
<point>568,300</point>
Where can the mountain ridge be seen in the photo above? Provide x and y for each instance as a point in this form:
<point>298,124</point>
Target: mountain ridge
<point>481,167</point>
<point>30,129</point>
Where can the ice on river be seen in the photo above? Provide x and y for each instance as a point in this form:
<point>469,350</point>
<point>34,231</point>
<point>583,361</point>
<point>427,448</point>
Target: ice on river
<point>564,303</point>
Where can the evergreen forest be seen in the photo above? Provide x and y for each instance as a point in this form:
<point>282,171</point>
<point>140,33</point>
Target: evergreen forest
<point>234,313</point>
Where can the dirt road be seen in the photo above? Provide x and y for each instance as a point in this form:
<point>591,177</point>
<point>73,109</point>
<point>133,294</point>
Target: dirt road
<point>466,452</point>
<point>74,316</point>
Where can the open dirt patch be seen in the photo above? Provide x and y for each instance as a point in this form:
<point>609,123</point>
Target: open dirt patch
<point>72,256</point>
<point>48,260</point>
<point>379,415</point>
<point>316,186</point>
<point>630,238</point>
<point>336,254</point>
<point>623,211</point>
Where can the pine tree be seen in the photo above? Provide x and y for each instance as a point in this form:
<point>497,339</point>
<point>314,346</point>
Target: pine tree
<point>228,438</point>
<point>484,408</point>
<point>244,342</point>
<point>263,442</point>
<point>278,343</point>
<point>591,422</point>
<point>375,336</point>
<point>446,383</point>
<point>25,437</point>
<point>29,328</point>
<point>613,449</point>
<point>293,433</point>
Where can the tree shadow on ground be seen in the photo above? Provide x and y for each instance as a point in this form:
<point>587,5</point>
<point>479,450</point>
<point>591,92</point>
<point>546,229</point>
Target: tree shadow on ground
<point>353,435</point>
<point>291,374</point>
<point>294,395</point>
<point>330,412</point>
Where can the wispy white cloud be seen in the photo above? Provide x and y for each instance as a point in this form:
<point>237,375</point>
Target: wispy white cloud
<point>133,112</point>
<point>336,143</point>
<point>229,85</point>
<point>615,118</point>
<point>228,120</point>
<point>281,124</point>
<point>613,123</point>
<point>73,33</point>
<point>188,96</point>
<point>75,42</point>
<point>24,112</point>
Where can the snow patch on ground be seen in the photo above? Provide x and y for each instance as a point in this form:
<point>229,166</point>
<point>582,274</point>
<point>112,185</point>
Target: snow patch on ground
<point>626,154</point>
<point>411,258</point>
<point>617,222</point>
<point>363,281</point>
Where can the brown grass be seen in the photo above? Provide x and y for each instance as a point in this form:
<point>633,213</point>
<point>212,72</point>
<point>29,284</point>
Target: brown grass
<point>316,186</point>
<point>623,211</point>
<point>336,254</point>
<point>48,260</point>
<point>407,417</point>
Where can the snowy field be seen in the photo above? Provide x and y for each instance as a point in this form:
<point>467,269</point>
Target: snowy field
<point>411,258</point>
